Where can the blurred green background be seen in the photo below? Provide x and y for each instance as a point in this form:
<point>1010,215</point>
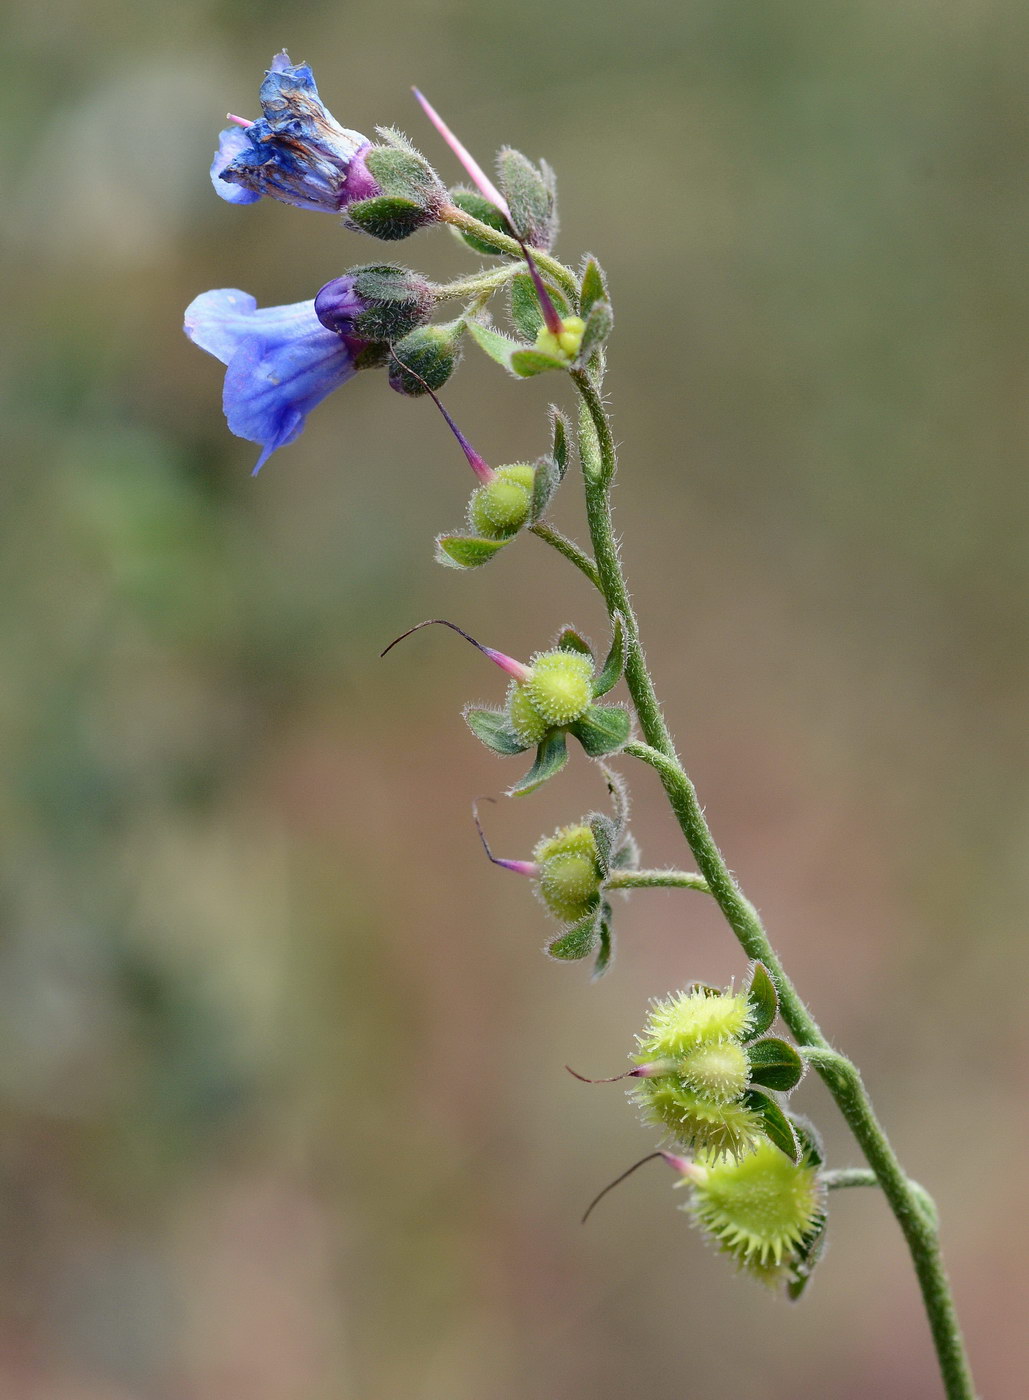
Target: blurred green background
<point>282,1107</point>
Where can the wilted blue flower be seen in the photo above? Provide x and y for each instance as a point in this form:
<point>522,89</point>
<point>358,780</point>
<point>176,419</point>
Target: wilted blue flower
<point>280,363</point>
<point>297,152</point>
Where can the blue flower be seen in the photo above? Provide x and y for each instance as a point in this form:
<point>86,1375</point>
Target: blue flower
<point>280,363</point>
<point>297,152</point>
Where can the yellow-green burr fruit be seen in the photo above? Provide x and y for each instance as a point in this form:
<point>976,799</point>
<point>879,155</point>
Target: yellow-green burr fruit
<point>569,874</point>
<point>561,685</point>
<point>759,1209</point>
<point>696,1123</point>
<point>686,1021</point>
<point>564,345</point>
<point>526,720</point>
<point>501,507</point>
<point>718,1072</point>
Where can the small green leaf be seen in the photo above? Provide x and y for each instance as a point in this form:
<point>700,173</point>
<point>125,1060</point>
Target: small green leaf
<point>551,757</point>
<point>544,484</point>
<point>594,286</point>
<point>568,639</point>
<point>562,433</point>
<point>466,551</point>
<point>774,1122</point>
<point>527,363</point>
<point>606,951</point>
<point>473,203</point>
<point>498,347</point>
<point>615,662</point>
<point>598,327</point>
<point>493,729</point>
<point>602,729</point>
<point>775,1065</point>
<point>577,941</point>
<point>605,833</point>
<point>764,1002</point>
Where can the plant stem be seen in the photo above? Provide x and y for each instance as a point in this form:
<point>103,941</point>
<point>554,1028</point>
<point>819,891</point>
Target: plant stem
<point>569,549</point>
<point>471,286</point>
<point>839,1074</point>
<point>841,1178</point>
<point>656,880</point>
<point>504,243</point>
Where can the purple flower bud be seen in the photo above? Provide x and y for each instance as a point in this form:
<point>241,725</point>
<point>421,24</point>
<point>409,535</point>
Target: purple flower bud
<point>338,304</point>
<point>280,363</point>
<point>296,152</point>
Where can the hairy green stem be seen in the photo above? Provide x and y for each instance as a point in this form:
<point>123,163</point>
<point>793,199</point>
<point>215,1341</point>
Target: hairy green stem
<point>490,282</point>
<point>656,880</point>
<point>504,243</point>
<point>841,1077</point>
<point>569,549</point>
<point>842,1178</point>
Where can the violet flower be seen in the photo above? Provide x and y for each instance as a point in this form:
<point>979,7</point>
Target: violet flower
<point>280,363</point>
<point>296,152</point>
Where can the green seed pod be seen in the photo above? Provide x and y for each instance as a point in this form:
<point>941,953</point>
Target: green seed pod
<point>697,1123</point>
<point>499,509</point>
<point>561,686</point>
<point>719,1072</point>
<point>524,718</point>
<point>426,358</point>
<point>570,875</point>
<point>763,1210</point>
<point>690,1019</point>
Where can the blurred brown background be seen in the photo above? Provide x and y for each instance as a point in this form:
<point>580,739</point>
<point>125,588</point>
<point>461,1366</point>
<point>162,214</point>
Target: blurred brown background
<point>282,1107</point>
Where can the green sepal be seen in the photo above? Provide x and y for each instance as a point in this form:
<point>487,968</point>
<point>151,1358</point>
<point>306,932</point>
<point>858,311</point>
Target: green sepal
<point>402,173</point>
<point>805,1256</point>
<point>544,484</point>
<point>531,196</point>
<point>562,430</point>
<point>606,951</point>
<point>494,730</point>
<point>615,662</point>
<point>568,639</point>
<point>775,1065</point>
<point>776,1125</point>
<point>627,857</point>
<point>425,358</point>
<point>471,202</point>
<point>551,757</point>
<point>594,286</point>
<point>603,729</point>
<point>764,1002</point>
<point>497,346</point>
<point>809,1139</point>
<point>598,327</point>
<point>528,362</point>
<point>525,304</point>
<point>605,834</point>
<point>466,551</point>
<point>578,940</point>
<point>386,216</point>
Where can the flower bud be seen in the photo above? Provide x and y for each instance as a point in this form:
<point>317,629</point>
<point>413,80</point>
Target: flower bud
<point>499,509</point>
<point>425,359</point>
<point>377,302</point>
<point>565,343</point>
<point>406,192</point>
<point>569,872</point>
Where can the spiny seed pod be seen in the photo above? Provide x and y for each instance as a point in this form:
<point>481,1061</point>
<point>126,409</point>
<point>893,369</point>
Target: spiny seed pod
<point>719,1127</point>
<point>569,872</point>
<point>763,1210</point>
<point>499,509</point>
<point>693,1018</point>
<point>557,691</point>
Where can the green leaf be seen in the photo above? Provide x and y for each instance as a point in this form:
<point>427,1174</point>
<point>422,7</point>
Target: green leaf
<point>578,940</point>
<point>562,433</point>
<point>594,286</point>
<point>598,327</point>
<point>466,551</point>
<point>568,639</point>
<point>602,729</point>
<point>605,833</point>
<point>386,217</point>
<point>498,347</point>
<point>544,484</point>
<point>525,304</point>
<point>614,663</point>
<point>775,1065</point>
<point>493,729</point>
<point>774,1122</point>
<point>473,203</point>
<point>764,1002</point>
<point>551,757</point>
<point>606,951</point>
<point>531,196</point>
<point>527,363</point>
